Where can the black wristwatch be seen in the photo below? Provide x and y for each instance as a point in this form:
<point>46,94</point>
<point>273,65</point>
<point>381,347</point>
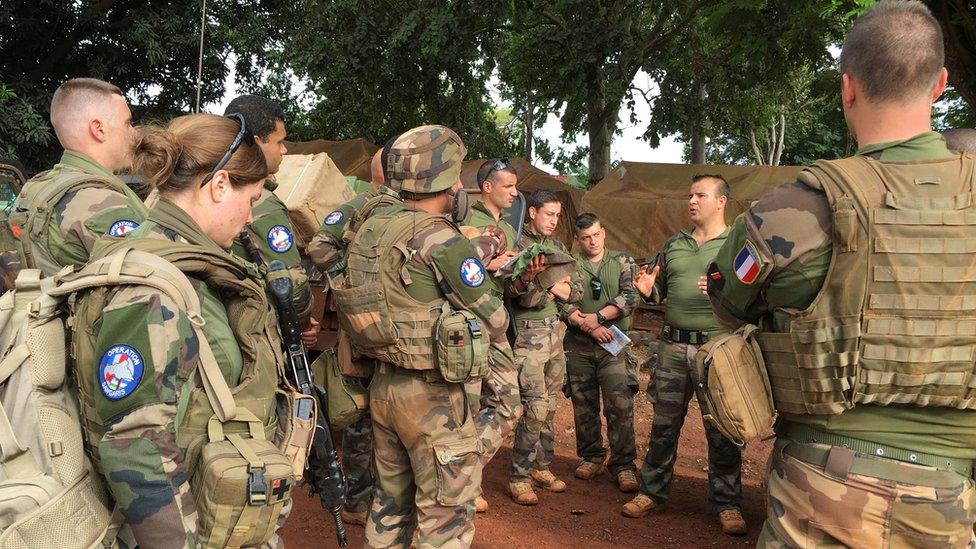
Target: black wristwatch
<point>600,318</point>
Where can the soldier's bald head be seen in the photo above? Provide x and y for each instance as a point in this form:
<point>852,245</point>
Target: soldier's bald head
<point>91,116</point>
<point>962,140</point>
<point>895,51</point>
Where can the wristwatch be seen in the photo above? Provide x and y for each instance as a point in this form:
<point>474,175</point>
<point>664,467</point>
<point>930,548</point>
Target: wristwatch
<point>600,318</point>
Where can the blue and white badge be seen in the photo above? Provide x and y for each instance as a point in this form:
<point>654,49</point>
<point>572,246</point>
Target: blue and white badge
<point>120,371</point>
<point>280,239</point>
<point>334,218</point>
<point>122,227</point>
<point>472,272</point>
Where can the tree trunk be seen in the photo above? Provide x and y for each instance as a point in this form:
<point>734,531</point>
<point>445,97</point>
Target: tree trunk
<point>781,140</point>
<point>529,122</point>
<point>599,121</point>
<point>698,132</point>
<point>755,148</point>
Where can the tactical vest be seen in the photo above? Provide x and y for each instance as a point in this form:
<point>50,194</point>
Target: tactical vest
<point>381,318</point>
<point>36,205</point>
<point>895,320</point>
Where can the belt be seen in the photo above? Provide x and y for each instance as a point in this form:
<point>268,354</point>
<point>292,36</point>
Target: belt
<point>537,323</point>
<point>430,376</point>
<point>867,458</point>
<point>677,335</point>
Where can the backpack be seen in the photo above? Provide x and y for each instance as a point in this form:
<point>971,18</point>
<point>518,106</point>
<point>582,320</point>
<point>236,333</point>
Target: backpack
<point>51,495</point>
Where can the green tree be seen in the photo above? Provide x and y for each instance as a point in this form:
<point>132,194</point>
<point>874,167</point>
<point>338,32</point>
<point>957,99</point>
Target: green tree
<point>377,68</point>
<point>149,49</point>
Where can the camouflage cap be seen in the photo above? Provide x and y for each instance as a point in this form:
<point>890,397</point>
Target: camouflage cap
<point>425,160</point>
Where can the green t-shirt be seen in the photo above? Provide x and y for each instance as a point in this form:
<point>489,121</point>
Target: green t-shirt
<point>684,263</point>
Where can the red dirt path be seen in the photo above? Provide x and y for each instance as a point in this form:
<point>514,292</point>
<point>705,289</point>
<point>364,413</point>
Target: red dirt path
<point>686,520</point>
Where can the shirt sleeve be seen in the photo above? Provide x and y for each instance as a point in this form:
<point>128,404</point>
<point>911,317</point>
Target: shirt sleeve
<point>82,216</point>
<point>626,300</point>
<point>147,350</point>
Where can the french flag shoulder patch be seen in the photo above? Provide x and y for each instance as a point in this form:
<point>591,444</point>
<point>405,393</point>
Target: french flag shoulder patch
<point>747,265</point>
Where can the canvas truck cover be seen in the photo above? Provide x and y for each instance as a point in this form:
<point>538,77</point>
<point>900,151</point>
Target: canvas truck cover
<point>642,204</point>
<point>311,186</point>
<point>351,156</point>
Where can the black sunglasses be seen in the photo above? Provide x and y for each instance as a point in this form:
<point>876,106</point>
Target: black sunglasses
<point>242,136</point>
<point>497,165</point>
<point>596,286</point>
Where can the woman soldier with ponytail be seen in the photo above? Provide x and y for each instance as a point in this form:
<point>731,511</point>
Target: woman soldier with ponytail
<point>187,418</point>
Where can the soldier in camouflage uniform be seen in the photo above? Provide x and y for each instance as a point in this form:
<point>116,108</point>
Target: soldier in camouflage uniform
<point>539,351</point>
<point>12,180</point>
<point>430,448</point>
<point>608,299</point>
<point>271,231</point>
<point>688,322</point>
<point>61,212</point>
<point>146,424</point>
<point>327,250</point>
<point>859,274</point>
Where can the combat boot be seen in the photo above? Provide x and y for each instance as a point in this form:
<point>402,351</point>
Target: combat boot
<point>732,522</point>
<point>640,506</point>
<point>522,493</point>
<point>352,517</point>
<point>547,480</point>
<point>586,470</point>
<point>627,481</point>
<point>480,504</point>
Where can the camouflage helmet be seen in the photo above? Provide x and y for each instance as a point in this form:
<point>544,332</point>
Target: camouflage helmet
<point>425,160</point>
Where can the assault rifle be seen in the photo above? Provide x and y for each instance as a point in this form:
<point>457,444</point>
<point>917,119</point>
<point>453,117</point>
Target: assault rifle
<point>323,474</point>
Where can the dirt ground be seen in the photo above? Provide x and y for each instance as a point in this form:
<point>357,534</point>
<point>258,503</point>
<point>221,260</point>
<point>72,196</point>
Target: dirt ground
<point>588,513</point>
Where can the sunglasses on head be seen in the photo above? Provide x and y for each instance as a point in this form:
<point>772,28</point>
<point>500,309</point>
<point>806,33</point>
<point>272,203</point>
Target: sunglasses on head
<point>244,135</point>
<point>596,287</point>
<point>497,165</point>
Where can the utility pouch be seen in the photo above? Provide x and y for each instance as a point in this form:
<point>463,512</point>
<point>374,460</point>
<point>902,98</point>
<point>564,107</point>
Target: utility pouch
<point>348,397</point>
<point>364,315</point>
<point>460,345</point>
<point>240,485</point>
<point>739,399</point>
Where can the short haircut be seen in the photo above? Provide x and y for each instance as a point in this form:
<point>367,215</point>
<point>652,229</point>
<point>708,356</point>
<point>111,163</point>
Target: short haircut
<point>721,189</point>
<point>540,198</point>
<point>260,113</point>
<point>962,140</point>
<point>894,51</point>
<point>73,96</point>
<point>486,172</point>
<point>585,221</point>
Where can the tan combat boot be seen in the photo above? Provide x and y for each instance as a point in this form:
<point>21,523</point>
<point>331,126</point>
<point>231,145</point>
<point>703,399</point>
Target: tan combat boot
<point>352,517</point>
<point>627,481</point>
<point>480,504</point>
<point>522,493</point>
<point>732,522</point>
<point>547,480</point>
<point>586,470</point>
<point>640,506</point>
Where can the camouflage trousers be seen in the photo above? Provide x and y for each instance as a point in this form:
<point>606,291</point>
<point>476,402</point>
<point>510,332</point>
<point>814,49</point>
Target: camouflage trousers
<point>590,371</point>
<point>357,462</point>
<point>542,371</point>
<point>898,504</point>
<point>675,381</point>
<point>427,461</point>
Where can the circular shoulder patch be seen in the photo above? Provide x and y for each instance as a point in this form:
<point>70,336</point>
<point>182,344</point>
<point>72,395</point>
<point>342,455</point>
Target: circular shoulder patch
<point>120,371</point>
<point>472,272</point>
<point>122,227</point>
<point>334,218</point>
<point>280,239</point>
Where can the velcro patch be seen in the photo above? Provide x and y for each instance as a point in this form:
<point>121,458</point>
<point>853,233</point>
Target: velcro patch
<point>747,264</point>
<point>280,239</point>
<point>120,371</point>
<point>334,218</point>
<point>472,272</point>
<point>122,227</point>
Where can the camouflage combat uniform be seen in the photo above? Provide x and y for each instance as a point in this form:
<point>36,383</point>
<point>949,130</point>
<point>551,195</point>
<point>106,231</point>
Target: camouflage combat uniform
<point>146,435</point>
<point>326,251</point>
<point>96,203</point>
<point>542,365</point>
<point>863,483</point>
<point>273,236</point>
<point>592,371</point>
<point>429,448</point>
<point>11,182</point>
<point>688,322</point>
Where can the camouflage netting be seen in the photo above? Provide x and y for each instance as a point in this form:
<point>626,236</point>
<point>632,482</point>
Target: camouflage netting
<point>642,204</point>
